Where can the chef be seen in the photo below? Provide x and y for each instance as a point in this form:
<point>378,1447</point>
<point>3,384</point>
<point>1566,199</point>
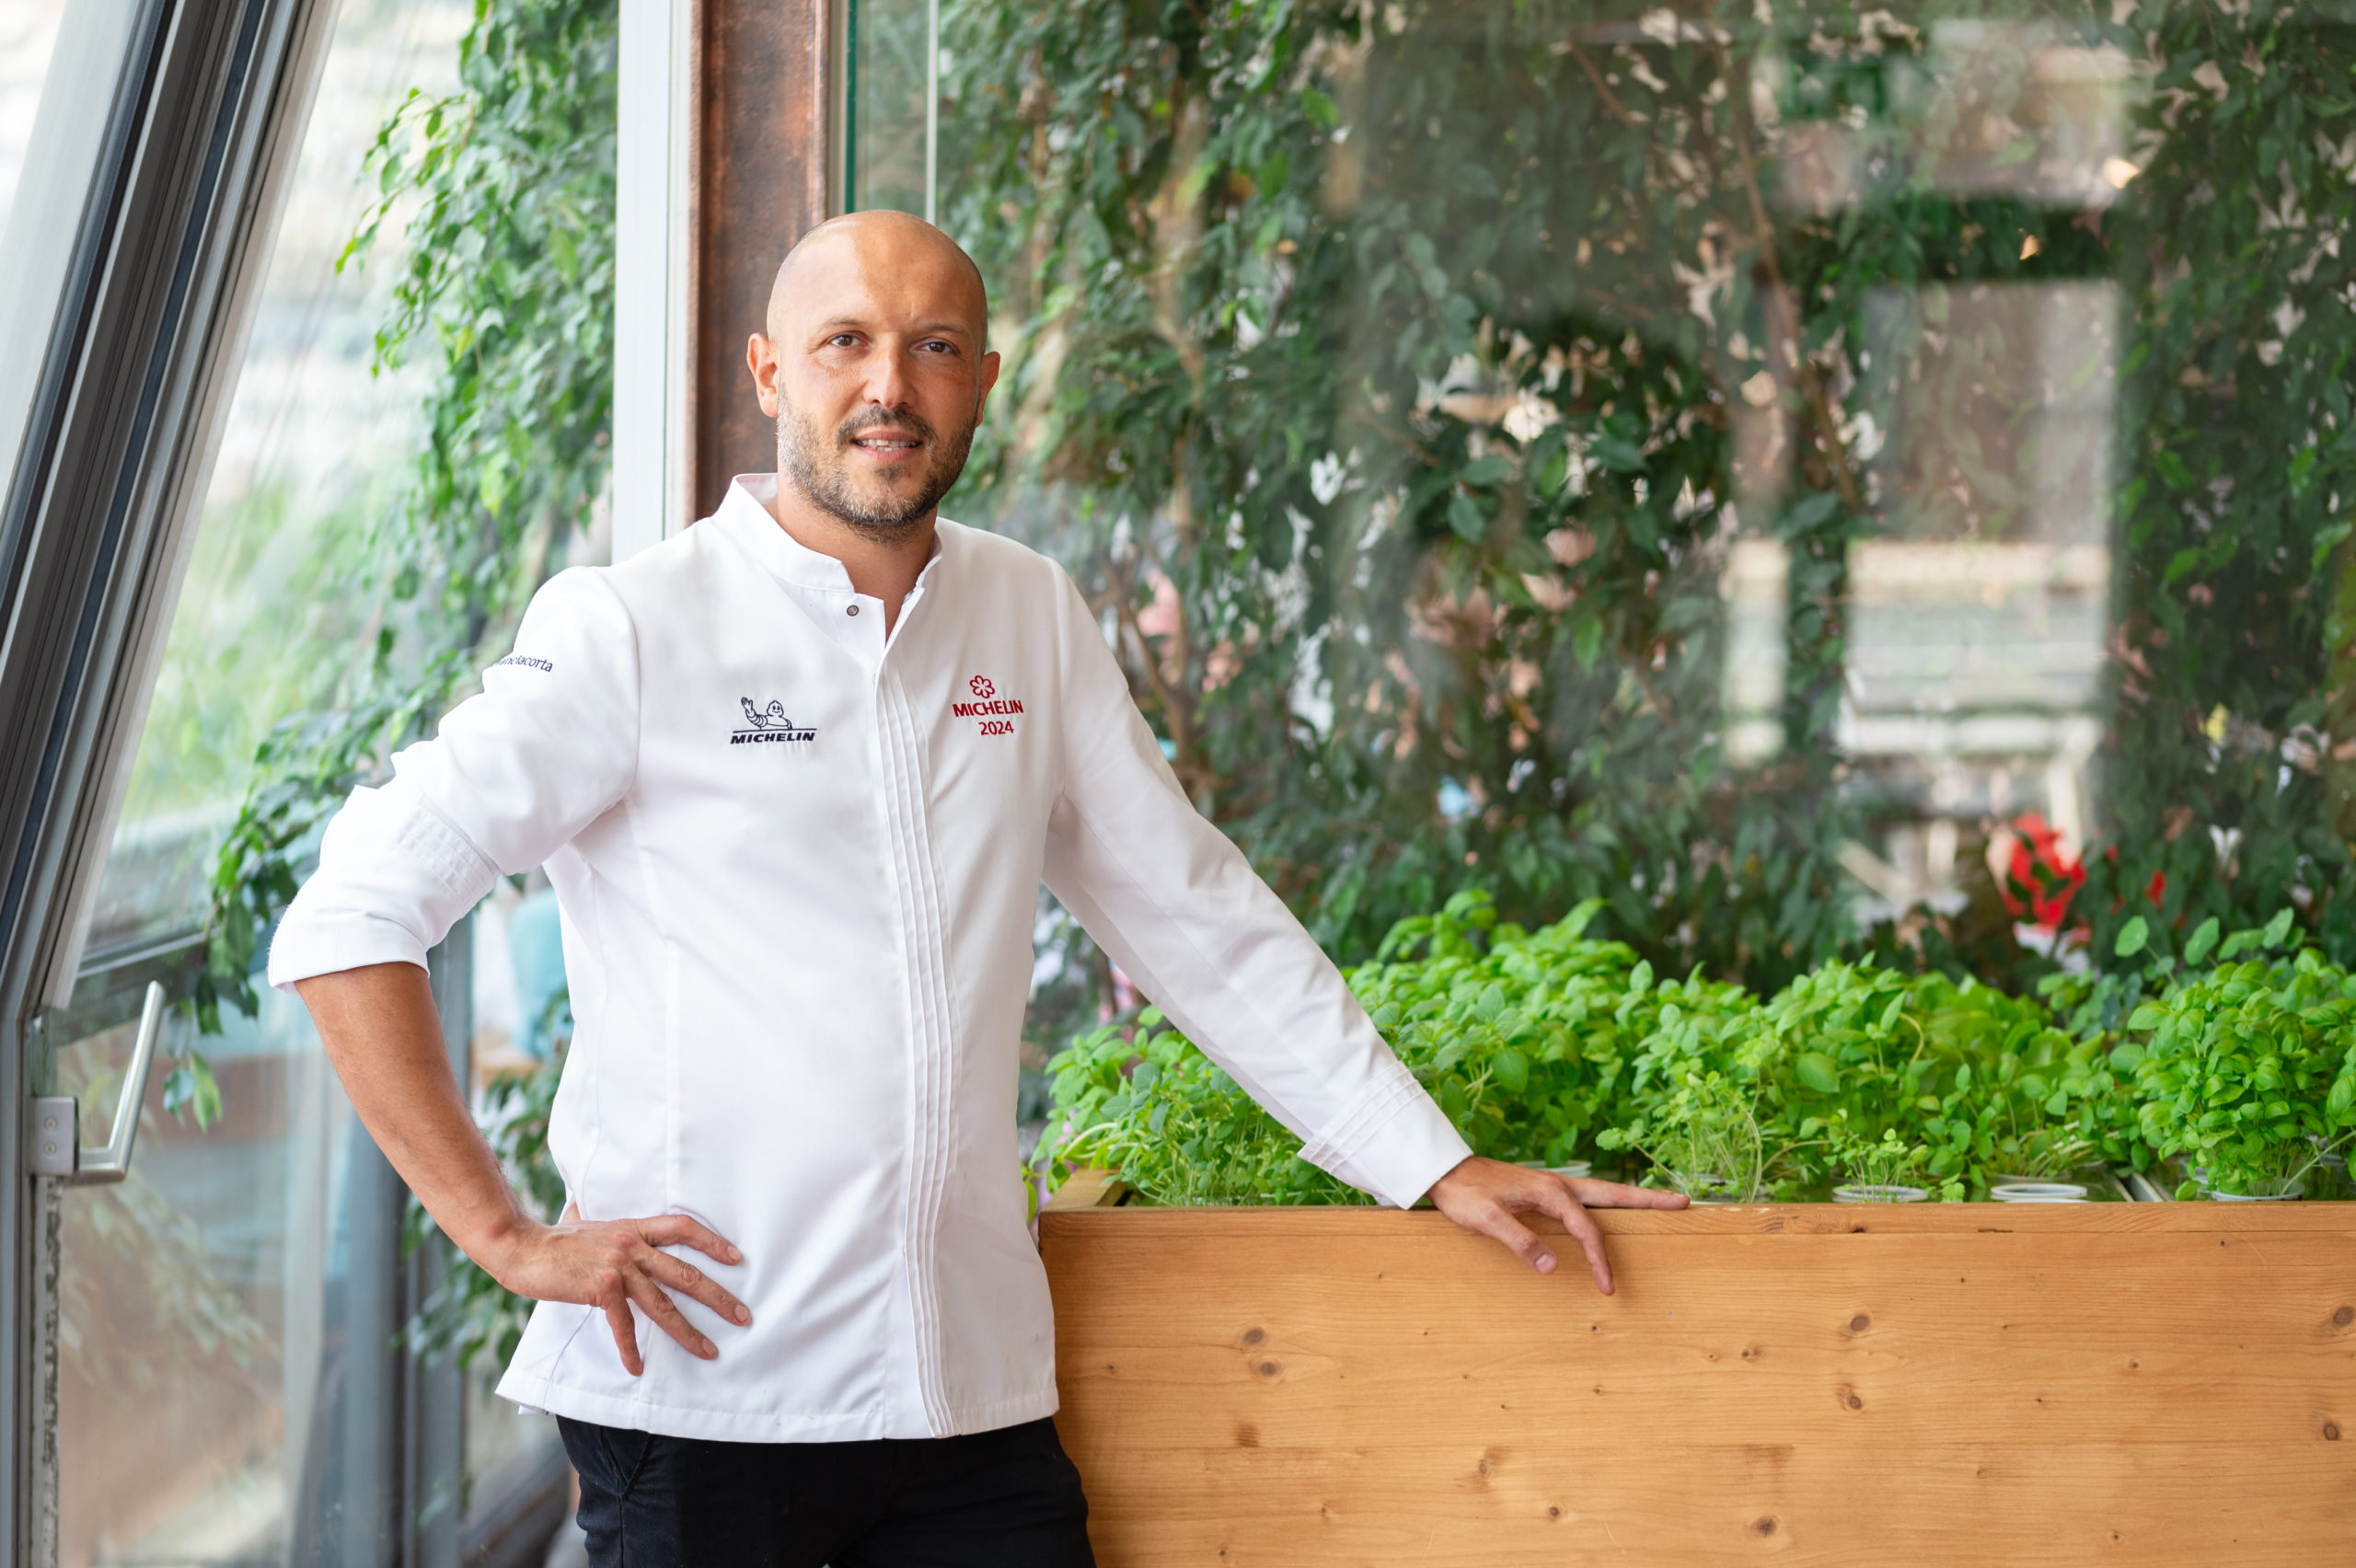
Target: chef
<point>795,776</point>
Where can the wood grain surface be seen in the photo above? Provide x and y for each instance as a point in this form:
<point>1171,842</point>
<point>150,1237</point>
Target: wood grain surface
<point>1949,1384</point>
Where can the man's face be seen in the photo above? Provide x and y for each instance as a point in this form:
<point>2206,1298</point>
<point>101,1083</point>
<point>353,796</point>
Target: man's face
<point>875,371</point>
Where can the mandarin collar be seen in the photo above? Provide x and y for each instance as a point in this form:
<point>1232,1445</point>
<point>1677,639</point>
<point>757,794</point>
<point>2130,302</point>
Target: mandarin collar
<point>744,516</point>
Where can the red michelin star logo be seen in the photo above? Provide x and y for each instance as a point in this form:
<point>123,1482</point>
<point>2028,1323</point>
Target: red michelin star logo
<point>997,713</point>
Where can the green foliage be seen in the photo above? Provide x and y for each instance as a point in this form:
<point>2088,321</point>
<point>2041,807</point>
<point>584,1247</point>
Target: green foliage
<point>1379,372</point>
<point>1525,1045</point>
<point>304,767</point>
<point>1246,380</point>
<point>2250,1071</point>
<point>1976,1080</point>
<point>1888,1162</point>
<point>506,191</point>
<point>509,274</point>
<point>1702,1136</point>
<point>2237,588</point>
<point>507,279</point>
<point>1544,1045</point>
<point>1176,1126</point>
<point>1520,1044</point>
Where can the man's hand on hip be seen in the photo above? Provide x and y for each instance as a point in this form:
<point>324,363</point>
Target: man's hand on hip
<point>1484,1196</point>
<point>380,1029</point>
<point>611,1264</point>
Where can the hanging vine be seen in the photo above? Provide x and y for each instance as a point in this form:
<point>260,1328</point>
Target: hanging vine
<point>507,282</point>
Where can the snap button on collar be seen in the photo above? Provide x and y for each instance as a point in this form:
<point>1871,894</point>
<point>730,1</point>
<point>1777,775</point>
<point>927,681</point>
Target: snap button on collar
<point>851,609</point>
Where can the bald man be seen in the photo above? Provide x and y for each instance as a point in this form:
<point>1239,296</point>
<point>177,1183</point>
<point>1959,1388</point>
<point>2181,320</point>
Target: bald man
<point>796,777</point>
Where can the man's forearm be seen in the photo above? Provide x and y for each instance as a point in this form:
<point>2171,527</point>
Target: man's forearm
<point>385,1038</point>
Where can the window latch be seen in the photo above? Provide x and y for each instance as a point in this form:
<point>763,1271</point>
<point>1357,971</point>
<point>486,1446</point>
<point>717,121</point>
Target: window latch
<point>53,1123</point>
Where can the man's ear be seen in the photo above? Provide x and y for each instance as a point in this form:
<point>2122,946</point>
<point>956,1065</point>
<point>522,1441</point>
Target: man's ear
<point>990,379</point>
<point>760,358</point>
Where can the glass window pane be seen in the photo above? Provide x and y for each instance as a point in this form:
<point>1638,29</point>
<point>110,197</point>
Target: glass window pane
<point>885,161</point>
<point>230,1312</point>
<point>59,64</point>
<point>1818,481</point>
<point>316,445</point>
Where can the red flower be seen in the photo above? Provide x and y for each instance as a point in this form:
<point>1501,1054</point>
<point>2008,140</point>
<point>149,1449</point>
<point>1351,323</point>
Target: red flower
<point>2039,879</point>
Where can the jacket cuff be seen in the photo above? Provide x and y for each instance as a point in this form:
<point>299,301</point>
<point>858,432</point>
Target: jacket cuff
<point>1394,1142</point>
<point>333,940</point>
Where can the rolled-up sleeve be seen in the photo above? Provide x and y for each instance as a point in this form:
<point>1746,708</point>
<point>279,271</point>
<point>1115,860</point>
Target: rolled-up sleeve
<point>548,745</point>
<point>1179,909</point>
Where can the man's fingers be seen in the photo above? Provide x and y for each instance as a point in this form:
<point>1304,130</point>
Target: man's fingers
<point>677,1274</point>
<point>1565,1208</point>
<point>669,1319</point>
<point>678,1229</point>
<point>1492,1220</point>
<point>625,1331</point>
<point>1616,1194</point>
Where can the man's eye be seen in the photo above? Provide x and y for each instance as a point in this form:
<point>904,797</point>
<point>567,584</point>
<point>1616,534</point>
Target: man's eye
<point>841,341</point>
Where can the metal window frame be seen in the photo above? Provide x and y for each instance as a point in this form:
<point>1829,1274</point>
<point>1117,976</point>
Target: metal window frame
<point>94,527</point>
<point>96,519</point>
<point>732,135</point>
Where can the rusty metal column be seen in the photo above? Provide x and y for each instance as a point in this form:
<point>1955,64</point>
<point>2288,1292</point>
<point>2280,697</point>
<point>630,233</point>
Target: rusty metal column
<point>764,154</point>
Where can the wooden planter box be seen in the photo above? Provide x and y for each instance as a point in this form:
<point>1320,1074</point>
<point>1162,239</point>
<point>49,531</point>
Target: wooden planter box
<point>1974,1385</point>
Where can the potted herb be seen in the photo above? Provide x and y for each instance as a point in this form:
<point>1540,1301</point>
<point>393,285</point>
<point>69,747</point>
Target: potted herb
<point>2248,1074</point>
<point>1704,1138</point>
<point>2048,1154</point>
<point>1887,1170</point>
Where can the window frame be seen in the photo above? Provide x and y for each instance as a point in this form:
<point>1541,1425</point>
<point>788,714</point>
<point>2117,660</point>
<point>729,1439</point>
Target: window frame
<point>144,344</point>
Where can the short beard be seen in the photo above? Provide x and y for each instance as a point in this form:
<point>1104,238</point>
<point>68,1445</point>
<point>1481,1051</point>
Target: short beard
<point>817,469</point>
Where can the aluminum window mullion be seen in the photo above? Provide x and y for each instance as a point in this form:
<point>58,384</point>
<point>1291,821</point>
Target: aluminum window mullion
<point>92,528</point>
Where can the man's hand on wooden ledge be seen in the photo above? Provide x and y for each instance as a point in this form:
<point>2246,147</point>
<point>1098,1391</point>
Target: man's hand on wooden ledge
<point>1484,1196</point>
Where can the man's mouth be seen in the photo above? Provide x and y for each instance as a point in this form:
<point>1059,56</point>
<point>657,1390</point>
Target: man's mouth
<point>887,444</point>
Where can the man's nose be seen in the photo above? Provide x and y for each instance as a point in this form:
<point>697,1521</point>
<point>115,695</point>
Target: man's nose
<point>887,380</point>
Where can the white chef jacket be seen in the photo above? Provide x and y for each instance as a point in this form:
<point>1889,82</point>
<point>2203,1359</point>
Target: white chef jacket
<point>797,862</point>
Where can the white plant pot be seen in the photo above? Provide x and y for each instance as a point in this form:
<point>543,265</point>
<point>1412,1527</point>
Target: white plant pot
<point>1570,1171</point>
<point>2292,1192</point>
<point>1704,1189</point>
<point>2037,1193</point>
<point>1865,1192</point>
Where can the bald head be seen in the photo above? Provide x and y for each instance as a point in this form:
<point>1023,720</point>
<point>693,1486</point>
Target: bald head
<point>875,366</point>
<point>879,248</point>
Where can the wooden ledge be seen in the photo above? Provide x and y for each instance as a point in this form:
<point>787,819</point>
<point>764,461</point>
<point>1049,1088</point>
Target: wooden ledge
<point>1058,1220</point>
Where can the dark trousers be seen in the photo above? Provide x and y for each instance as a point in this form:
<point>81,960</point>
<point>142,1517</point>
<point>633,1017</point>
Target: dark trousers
<point>1004,1499</point>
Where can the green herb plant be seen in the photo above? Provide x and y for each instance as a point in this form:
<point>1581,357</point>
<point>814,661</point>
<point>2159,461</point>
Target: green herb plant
<point>1178,1128</point>
<point>1703,1139</point>
<point>1887,1161</point>
<point>1524,1039</point>
<point>2248,1072</point>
